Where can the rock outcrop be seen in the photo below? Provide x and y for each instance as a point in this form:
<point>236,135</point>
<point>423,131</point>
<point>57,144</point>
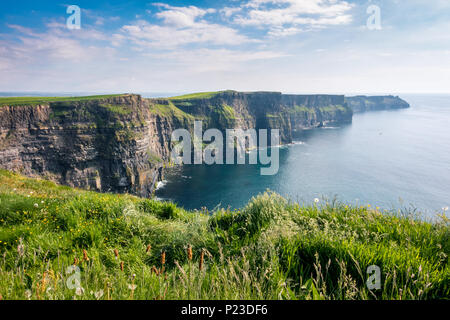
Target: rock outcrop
<point>121,143</point>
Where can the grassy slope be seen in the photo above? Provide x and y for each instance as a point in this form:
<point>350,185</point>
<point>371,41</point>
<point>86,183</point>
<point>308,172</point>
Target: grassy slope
<point>18,101</point>
<point>271,249</point>
<point>170,111</point>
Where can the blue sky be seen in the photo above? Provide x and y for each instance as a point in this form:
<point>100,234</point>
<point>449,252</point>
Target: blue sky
<point>297,46</point>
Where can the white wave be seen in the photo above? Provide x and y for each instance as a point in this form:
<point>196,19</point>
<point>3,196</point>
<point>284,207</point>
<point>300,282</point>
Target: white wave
<point>295,143</point>
<point>161,184</point>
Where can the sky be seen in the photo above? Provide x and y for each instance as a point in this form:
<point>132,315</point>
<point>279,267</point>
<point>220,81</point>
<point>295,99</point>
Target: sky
<point>292,46</point>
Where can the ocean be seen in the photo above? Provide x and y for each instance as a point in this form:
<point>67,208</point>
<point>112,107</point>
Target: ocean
<point>389,159</point>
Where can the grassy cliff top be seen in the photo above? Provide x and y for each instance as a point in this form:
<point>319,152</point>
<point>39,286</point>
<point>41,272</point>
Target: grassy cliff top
<point>209,95</point>
<point>131,248</point>
<point>198,95</point>
<point>18,101</point>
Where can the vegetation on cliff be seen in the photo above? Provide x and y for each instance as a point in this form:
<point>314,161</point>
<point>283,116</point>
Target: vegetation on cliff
<point>198,95</point>
<point>126,247</point>
<point>31,101</point>
<point>170,111</point>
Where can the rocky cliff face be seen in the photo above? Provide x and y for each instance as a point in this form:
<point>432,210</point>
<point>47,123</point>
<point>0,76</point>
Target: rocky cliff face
<point>363,103</point>
<point>121,143</point>
<point>266,110</point>
<point>103,144</point>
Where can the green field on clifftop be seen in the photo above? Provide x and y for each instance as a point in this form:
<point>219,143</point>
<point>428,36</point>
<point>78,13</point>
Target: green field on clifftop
<point>124,247</point>
<point>199,95</point>
<point>18,101</point>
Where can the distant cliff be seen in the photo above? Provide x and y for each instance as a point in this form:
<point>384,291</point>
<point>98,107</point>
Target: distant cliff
<point>363,103</point>
<point>121,143</point>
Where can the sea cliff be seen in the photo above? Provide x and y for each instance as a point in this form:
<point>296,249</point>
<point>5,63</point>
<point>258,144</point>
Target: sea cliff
<point>121,143</point>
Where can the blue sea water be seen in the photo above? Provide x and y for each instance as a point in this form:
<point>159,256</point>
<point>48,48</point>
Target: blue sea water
<point>391,159</point>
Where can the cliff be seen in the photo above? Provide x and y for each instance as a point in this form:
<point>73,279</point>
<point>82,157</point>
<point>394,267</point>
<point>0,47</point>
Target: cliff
<point>102,144</point>
<point>265,110</point>
<point>121,143</point>
<point>363,103</point>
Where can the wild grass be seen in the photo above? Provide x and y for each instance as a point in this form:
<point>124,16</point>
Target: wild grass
<point>63,243</point>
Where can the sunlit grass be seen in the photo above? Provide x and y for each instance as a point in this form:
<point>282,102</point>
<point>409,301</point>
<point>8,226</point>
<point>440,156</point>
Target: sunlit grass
<point>17,101</point>
<point>131,248</point>
<point>199,95</point>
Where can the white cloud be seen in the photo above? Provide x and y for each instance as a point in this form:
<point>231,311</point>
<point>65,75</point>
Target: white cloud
<point>57,44</point>
<point>181,16</point>
<point>145,34</point>
<point>229,11</point>
<point>208,60</point>
<point>181,26</point>
<point>97,18</point>
<point>288,17</point>
<point>283,32</point>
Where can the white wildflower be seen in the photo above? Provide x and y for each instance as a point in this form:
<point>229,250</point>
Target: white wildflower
<point>79,291</point>
<point>28,294</point>
<point>20,249</point>
<point>36,205</point>
<point>316,200</point>
<point>98,294</point>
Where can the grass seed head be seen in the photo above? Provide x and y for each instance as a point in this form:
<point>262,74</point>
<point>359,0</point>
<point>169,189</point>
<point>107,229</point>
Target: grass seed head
<point>85,256</point>
<point>155,271</point>
<point>202,260</point>
<point>189,253</point>
<point>163,258</point>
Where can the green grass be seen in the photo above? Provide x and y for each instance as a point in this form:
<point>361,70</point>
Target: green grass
<point>302,109</point>
<point>328,109</point>
<point>117,109</point>
<point>170,111</point>
<point>222,113</point>
<point>271,249</point>
<point>154,159</point>
<point>228,112</point>
<point>199,95</point>
<point>332,109</point>
<point>18,101</point>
